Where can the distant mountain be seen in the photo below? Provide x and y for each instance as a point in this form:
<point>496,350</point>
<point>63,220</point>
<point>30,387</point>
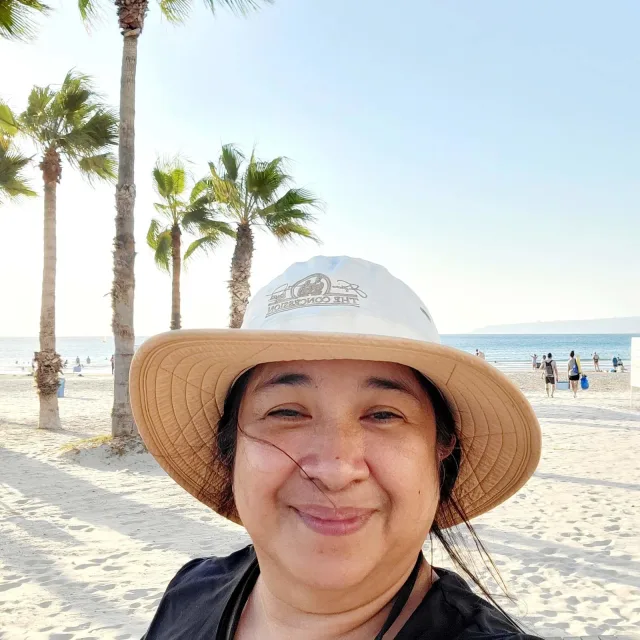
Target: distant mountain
<point>602,325</point>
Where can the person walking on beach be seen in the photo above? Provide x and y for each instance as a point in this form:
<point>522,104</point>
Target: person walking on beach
<point>113,364</point>
<point>550,374</point>
<point>77,359</point>
<point>596,360</point>
<point>574,373</point>
<point>534,360</point>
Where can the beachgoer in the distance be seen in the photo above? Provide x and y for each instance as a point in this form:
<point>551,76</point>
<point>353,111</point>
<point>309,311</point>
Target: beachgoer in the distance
<point>534,360</point>
<point>338,468</point>
<point>620,364</point>
<point>88,360</point>
<point>596,360</point>
<point>574,373</point>
<point>113,364</point>
<point>480,354</point>
<point>550,374</point>
<point>77,359</point>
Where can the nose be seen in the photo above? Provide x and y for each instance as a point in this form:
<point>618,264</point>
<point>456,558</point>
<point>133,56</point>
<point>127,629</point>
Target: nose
<point>336,456</point>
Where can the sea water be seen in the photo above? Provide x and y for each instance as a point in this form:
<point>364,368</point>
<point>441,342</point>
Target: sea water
<point>507,352</point>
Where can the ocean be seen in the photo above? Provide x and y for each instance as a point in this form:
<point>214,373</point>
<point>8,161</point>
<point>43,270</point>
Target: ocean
<point>507,352</point>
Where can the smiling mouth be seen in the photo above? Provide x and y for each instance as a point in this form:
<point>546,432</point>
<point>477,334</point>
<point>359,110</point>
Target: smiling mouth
<point>333,522</point>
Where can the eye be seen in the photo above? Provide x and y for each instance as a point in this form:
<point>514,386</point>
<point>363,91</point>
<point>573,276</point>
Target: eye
<point>384,416</point>
<point>285,413</point>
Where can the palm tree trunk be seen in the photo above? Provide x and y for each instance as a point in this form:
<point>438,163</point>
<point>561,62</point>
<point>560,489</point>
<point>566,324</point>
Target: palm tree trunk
<point>49,363</point>
<point>175,272</point>
<point>124,253</point>
<point>240,274</point>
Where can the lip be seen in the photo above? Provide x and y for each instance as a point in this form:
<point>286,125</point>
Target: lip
<point>333,522</point>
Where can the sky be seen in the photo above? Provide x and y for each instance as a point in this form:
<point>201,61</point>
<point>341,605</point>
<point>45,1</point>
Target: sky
<point>487,153</point>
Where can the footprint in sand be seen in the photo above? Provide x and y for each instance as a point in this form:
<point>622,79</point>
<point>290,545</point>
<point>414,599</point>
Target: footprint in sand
<point>80,627</point>
<point>598,543</point>
<point>136,594</point>
<point>12,585</point>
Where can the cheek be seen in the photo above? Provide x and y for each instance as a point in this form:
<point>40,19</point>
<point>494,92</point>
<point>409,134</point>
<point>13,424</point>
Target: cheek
<point>407,472</point>
<point>260,471</point>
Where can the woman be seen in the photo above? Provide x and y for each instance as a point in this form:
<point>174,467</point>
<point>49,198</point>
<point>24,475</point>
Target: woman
<point>574,373</point>
<point>337,430</point>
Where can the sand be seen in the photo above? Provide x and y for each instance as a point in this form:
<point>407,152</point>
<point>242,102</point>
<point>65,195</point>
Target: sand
<point>89,538</point>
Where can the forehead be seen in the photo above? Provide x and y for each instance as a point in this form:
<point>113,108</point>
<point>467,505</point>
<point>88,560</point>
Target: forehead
<point>336,370</point>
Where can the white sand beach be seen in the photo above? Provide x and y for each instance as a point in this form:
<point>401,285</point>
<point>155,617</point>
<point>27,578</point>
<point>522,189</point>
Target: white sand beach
<point>89,540</point>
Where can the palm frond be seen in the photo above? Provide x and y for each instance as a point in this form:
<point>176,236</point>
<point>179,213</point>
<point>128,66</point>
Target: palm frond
<point>159,239</point>
<point>290,200</point>
<point>290,231</point>
<point>99,131</point>
<point>193,217</point>
<point>164,209</point>
<point>103,166</point>
<point>169,177</point>
<point>199,191</point>
<point>290,215</point>
<point>8,122</point>
<point>231,159</point>
<point>155,228</point>
<point>217,227</point>
<point>90,11</point>
<point>13,184</point>
<point>74,94</point>
<point>206,243</point>
<point>175,11</point>
<point>263,179</point>
<point>36,120</point>
<point>18,18</point>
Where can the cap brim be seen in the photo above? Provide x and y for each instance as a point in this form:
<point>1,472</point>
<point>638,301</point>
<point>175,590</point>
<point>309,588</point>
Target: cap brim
<point>179,381</point>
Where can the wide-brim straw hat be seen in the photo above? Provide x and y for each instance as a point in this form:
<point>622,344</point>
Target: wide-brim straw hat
<point>329,308</point>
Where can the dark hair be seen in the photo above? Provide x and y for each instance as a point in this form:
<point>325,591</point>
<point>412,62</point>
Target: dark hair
<point>572,354</point>
<point>449,510</point>
<point>549,356</point>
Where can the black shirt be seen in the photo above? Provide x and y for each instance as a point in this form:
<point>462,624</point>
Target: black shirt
<point>206,597</point>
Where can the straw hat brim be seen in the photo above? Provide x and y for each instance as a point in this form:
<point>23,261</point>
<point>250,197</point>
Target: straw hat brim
<point>179,381</point>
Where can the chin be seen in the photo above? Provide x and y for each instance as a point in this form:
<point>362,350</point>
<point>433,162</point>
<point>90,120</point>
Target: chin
<point>328,572</point>
<point>330,563</point>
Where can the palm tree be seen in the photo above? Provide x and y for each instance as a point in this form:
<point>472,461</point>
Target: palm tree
<point>69,123</point>
<point>12,183</point>
<point>131,14</point>
<point>193,216</point>
<point>17,18</point>
<point>252,194</point>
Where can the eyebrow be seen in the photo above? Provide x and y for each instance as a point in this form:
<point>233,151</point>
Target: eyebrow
<point>389,384</point>
<point>285,379</point>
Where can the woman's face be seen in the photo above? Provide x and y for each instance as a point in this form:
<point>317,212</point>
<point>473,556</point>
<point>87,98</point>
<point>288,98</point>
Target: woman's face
<point>335,473</point>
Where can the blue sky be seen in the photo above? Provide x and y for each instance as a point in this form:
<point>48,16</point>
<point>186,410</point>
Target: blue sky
<point>488,153</point>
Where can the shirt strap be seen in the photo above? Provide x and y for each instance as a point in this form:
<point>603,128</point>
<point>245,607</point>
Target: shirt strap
<point>401,599</point>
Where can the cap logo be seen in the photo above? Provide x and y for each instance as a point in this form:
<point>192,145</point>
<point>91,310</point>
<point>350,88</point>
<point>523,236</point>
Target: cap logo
<point>316,290</point>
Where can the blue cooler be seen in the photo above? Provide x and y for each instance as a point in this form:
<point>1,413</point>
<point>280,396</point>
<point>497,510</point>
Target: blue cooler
<point>61,388</point>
